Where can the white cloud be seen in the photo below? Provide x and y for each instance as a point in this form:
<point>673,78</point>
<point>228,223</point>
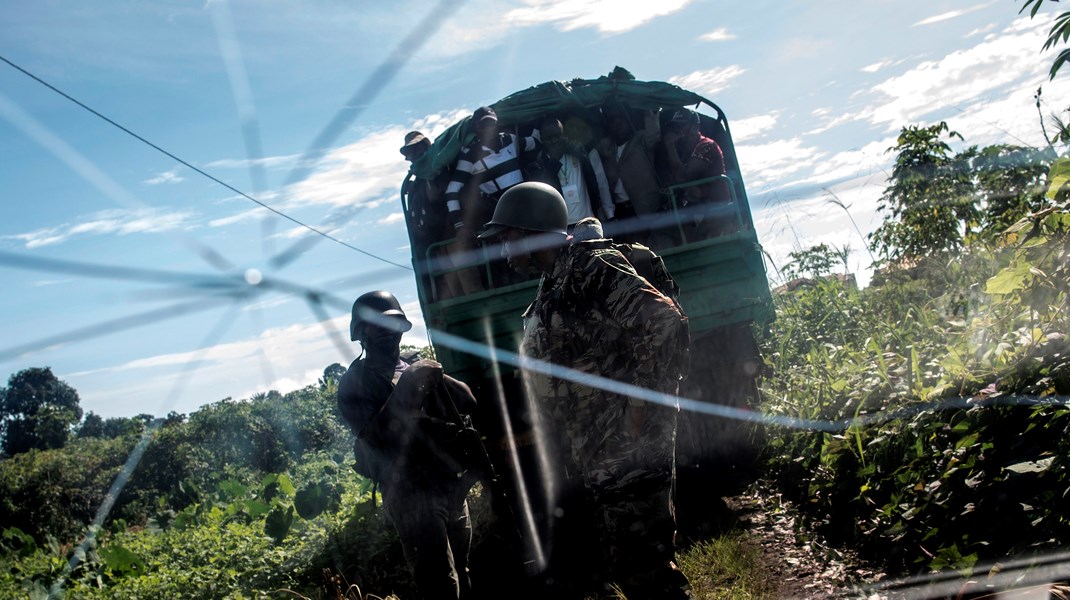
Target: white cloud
<point>877,66</point>
<point>485,24</point>
<point>391,219</point>
<point>752,127</point>
<point>369,171</point>
<point>607,16</point>
<point>117,222</point>
<point>1002,65</point>
<point>281,358</point>
<point>171,176</point>
<point>870,161</point>
<point>801,223</point>
<point>981,30</point>
<point>359,176</point>
<point>268,303</point>
<point>245,163</point>
<point>249,215</point>
<point>950,15</point>
<point>961,77</point>
<point>775,162</point>
<point>721,34</point>
<point>708,82</point>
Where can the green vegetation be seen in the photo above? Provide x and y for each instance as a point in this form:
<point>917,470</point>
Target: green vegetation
<point>944,383</point>
<point>37,411</point>
<point>726,567</point>
<point>243,499</point>
<point>934,429</point>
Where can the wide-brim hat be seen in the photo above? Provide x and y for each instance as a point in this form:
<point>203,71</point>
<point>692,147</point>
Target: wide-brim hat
<point>414,138</point>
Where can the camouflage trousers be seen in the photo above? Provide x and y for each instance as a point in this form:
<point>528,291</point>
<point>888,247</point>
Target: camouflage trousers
<point>435,528</point>
<point>628,476</point>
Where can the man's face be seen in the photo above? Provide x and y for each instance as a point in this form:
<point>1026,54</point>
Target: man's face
<point>692,133</point>
<point>553,139</point>
<point>380,339</point>
<point>486,130</point>
<point>413,153</point>
<point>619,128</point>
<point>514,250</point>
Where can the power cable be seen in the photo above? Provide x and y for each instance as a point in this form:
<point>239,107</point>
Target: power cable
<point>196,169</point>
<point>363,97</point>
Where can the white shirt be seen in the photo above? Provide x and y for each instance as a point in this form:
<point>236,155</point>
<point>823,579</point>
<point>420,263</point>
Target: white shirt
<point>574,190</point>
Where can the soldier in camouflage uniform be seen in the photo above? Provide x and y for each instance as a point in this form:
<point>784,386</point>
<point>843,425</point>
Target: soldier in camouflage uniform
<point>593,313</point>
<point>404,444</point>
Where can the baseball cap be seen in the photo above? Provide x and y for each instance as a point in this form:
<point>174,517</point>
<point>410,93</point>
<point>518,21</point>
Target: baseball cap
<point>685,116</point>
<point>484,112</point>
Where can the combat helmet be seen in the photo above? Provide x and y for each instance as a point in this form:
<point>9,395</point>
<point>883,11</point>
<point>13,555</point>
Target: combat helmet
<point>371,307</point>
<point>531,206</point>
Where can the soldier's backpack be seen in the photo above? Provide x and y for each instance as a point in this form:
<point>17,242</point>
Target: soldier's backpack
<point>395,440</point>
<point>651,267</point>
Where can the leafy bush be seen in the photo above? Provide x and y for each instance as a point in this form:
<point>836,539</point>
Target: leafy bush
<point>942,439</point>
<point>57,492</point>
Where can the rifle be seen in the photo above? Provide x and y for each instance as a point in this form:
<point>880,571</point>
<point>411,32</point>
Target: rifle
<point>476,454</point>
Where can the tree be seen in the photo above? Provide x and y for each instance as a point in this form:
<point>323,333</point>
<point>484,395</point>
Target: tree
<point>37,410</point>
<point>331,376</point>
<point>815,261</point>
<point>92,426</point>
<point>1009,183</point>
<point>174,418</point>
<point>929,199</point>
<point>122,426</point>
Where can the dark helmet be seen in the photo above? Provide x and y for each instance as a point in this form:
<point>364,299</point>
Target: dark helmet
<point>531,206</point>
<point>371,308</point>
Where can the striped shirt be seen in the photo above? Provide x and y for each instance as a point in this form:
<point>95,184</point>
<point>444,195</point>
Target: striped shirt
<point>493,171</point>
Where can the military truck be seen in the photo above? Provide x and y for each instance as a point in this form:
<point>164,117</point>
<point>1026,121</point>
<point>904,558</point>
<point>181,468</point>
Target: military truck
<point>722,279</point>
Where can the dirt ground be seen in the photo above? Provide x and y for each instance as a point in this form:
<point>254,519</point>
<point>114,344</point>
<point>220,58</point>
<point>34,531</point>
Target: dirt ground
<point>802,565</point>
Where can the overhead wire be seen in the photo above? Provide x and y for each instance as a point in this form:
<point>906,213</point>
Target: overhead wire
<point>96,177</point>
<point>196,169</point>
<point>367,92</point>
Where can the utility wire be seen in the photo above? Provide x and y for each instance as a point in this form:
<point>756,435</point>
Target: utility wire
<point>363,97</point>
<point>195,169</point>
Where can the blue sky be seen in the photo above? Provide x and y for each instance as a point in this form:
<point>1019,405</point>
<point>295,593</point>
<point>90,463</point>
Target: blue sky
<point>815,93</point>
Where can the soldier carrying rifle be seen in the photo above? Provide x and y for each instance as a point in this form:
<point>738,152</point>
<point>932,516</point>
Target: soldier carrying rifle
<point>414,438</point>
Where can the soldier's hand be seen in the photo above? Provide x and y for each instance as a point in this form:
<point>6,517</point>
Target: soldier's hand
<point>422,375</point>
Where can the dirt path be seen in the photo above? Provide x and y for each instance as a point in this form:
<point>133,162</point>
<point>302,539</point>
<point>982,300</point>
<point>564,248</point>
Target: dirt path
<point>799,562</point>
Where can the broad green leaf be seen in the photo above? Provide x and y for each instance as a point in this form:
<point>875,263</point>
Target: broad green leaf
<point>121,560</point>
<point>256,508</point>
<point>1058,176</point>
<point>286,486</point>
<point>311,501</point>
<point>1031,466</point>
<point>278,523</point>
<point>1009,279</point>
<point>231,489</point>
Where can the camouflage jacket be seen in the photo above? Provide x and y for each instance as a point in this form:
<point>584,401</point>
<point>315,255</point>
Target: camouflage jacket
<point>595,314</point>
